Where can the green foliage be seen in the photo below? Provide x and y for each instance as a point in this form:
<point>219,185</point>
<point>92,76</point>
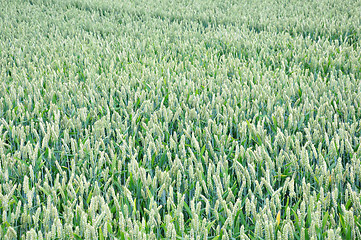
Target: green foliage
<point>180,119</point>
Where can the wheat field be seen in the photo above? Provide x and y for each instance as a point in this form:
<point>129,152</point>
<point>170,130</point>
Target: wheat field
<point>180,119</point>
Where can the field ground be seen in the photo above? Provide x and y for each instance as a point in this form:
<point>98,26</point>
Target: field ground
<point>180,119</point>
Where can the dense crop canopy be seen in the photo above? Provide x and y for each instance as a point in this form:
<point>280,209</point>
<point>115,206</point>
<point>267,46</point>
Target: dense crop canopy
<point>180,119</point>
